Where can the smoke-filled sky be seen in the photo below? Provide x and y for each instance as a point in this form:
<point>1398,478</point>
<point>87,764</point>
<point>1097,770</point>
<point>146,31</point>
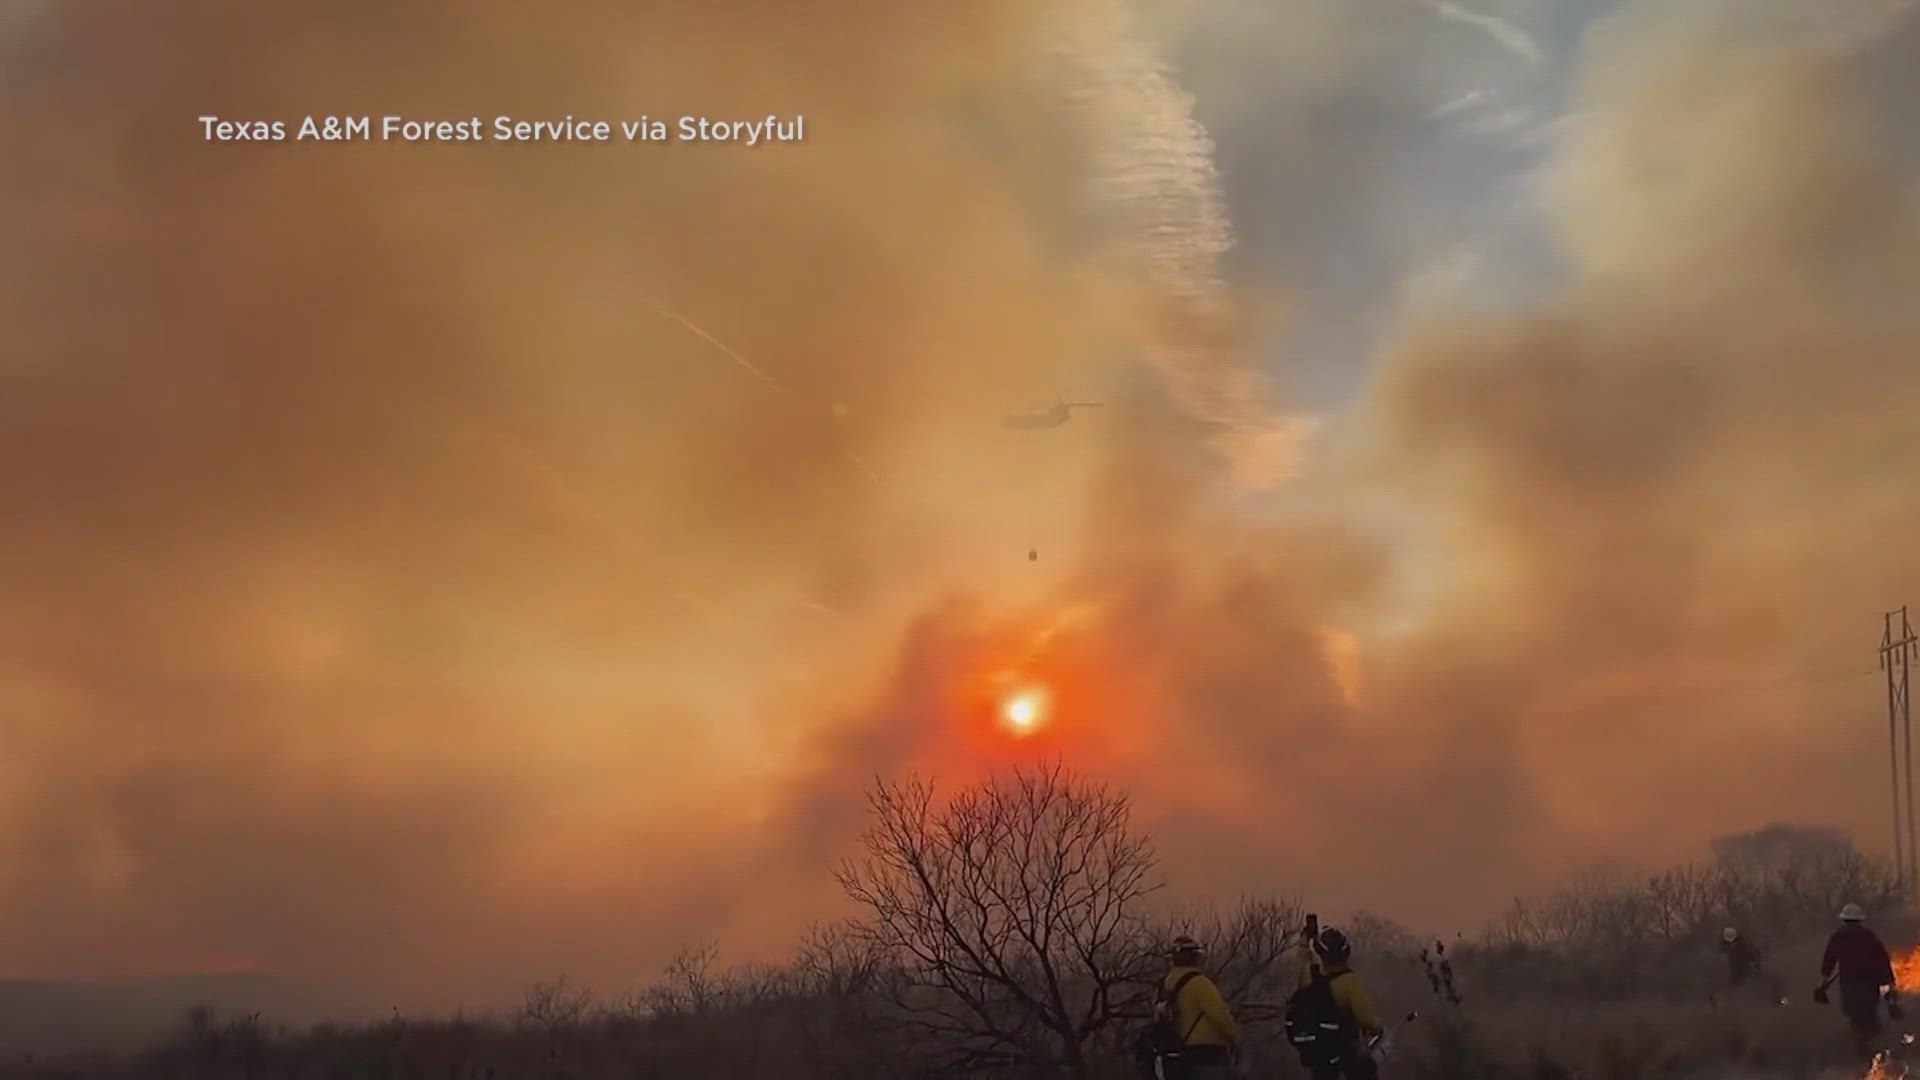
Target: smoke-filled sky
<point>431,570</point>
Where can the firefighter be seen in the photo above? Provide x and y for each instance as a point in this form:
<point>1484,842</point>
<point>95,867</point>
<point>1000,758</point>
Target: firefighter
<point>1743,957</point>
<point>1208,1035</point>
<point>1330,1020</point>
<point>1858,961</point>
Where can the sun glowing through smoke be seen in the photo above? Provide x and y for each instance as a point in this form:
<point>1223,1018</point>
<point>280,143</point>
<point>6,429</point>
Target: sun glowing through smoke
<point>1024,711</point>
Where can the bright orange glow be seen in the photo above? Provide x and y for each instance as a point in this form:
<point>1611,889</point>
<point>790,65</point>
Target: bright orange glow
<point>1039,686</point>
<point>1906,970</point>
<point>1025,711</point>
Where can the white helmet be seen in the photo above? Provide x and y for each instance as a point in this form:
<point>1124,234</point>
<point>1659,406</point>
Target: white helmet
<point>1730,935</point>
<point>1852,913</point>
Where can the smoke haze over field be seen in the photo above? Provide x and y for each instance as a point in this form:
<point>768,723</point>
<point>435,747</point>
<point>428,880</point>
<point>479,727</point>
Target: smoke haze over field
<point>430,570</point>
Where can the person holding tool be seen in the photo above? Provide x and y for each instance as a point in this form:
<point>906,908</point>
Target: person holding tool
<point>1746,965</point>
<point>1330,1019</point>
<point>1306,964</point>
<point>1858,961</point>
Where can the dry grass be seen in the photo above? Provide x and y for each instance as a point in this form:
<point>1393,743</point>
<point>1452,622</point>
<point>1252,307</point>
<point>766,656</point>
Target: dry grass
<point>1525,1016</point>
<point>975,964</point>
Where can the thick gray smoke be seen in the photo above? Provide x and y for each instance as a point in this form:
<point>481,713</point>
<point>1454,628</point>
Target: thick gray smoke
<point>435,569</point>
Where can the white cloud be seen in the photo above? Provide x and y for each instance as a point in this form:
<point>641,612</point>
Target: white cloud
<point>1509,35</point>
<point>1154,163</point>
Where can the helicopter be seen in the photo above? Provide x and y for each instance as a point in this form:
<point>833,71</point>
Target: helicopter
<point>1045,419</point>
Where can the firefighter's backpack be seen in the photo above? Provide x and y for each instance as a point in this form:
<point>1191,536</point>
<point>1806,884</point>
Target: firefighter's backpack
<point>1158,1047</point>
<point>1316,1025</point>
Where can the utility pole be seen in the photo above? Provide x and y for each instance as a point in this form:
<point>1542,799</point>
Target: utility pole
<point>1898,647</point>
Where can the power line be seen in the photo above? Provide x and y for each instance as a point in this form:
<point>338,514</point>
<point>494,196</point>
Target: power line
<point>1787,680</point>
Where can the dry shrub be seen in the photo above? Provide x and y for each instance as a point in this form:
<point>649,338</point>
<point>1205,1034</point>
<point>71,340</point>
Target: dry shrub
<point>1014,917</point>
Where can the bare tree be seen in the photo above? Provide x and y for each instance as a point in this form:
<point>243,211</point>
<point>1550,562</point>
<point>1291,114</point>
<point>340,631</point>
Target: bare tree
<point>1519,928</point>
<point>1776,882</point>
<point>1684,903</point>
<point>554,1005</point>
<point>693,985</point>
<point>689,985</point>
<point>1011,912</point>
<point>839,961</point>
<point>1794,876</point>
<point>630,1007</point>
<point>1374,934</point>
<point>1250,951</point>
<point>1781,848</point>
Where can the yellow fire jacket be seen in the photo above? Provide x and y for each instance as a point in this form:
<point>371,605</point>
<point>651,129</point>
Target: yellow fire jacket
<point>1201,1010</point>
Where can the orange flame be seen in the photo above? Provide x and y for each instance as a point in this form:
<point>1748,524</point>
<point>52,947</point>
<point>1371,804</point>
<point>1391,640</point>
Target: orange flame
<point>1906,978</point>
<point>1906,970</point>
